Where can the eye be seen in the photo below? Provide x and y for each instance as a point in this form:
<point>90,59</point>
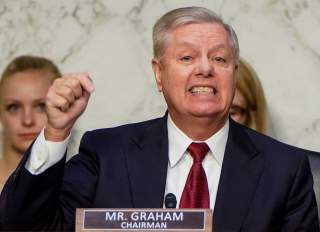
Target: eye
<point>41,107</point>
<point>220,59</point>
<point>237,110</point>
<point>233,111</point>
<point>186,58</point>
<point>12,108</point>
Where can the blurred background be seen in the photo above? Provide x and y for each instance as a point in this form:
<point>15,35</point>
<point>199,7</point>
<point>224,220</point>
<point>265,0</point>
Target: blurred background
<point>111,40</point>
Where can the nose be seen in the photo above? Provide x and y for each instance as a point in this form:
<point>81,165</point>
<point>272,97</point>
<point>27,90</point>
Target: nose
<point>205,68</point>
<point>28,117</point>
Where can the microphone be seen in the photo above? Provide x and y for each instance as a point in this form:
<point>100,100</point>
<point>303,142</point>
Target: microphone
<point>170,201</point>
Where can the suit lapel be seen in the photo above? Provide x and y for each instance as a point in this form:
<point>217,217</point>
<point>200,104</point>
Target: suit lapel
<point>147,162</point>
<point>241,171</point>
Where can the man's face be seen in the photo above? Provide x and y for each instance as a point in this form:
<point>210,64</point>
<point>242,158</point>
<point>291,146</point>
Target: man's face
<point>196,73</point>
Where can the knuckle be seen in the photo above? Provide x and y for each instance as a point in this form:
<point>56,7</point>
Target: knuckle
<point>63,102</point>
<point>73,81</point>
<point>69,92</point>
<point>57,82</point>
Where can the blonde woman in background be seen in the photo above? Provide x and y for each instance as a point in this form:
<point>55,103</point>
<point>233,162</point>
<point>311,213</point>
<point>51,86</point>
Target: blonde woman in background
<point>250,109</point>
<point>249,104</point>
<point>23,88</point>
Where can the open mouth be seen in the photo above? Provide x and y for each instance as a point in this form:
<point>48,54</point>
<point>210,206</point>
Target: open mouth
<point>203,90</point>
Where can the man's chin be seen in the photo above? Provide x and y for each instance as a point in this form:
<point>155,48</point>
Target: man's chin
<point>208,114</point>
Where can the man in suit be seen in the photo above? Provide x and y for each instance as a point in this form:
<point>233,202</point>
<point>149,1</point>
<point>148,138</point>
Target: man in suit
<point>252,182</point>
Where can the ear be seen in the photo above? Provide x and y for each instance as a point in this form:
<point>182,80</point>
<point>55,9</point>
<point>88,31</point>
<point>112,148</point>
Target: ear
<point>156,66</point>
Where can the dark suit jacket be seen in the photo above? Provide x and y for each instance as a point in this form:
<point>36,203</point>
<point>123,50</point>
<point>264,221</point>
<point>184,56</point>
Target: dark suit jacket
<point>264,185</point>
<point>314,158</point>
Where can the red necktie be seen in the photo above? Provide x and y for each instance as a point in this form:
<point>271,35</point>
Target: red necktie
<point>196,192</point>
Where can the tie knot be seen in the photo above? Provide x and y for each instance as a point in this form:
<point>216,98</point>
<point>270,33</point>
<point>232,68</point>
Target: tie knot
<point>198,151</point>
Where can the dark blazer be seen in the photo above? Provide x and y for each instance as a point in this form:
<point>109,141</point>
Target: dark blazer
<point>314,158</point>
<point>265,185</point>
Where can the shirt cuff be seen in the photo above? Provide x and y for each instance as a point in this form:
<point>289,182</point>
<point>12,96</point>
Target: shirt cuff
<point>45,154</point>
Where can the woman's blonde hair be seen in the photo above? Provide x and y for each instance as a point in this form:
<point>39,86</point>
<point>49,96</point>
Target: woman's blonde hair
<point>249,85</point>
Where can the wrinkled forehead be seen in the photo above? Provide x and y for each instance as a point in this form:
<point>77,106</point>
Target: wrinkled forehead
<point>210,35</point>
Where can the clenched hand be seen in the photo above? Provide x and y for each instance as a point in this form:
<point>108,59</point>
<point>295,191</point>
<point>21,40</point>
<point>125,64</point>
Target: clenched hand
<point>67,99</point>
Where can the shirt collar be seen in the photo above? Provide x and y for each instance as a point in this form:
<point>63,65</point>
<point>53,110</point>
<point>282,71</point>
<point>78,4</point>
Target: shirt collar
<point>179,142</point>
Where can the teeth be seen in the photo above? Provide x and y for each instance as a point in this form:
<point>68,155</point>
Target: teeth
<point>202,89</point>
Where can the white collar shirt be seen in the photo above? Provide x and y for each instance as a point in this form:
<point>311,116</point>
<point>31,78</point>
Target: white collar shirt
<point>180,161</point>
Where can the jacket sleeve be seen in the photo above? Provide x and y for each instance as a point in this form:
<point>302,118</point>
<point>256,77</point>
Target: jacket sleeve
<point>301,209</point>
<point>47,202</point>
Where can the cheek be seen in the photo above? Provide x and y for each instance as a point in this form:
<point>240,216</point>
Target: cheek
<point>227,86</point>
<point>176,78</point>
<point>239,118</point>
<point>10,124</point>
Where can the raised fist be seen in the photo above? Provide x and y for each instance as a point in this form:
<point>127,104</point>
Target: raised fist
<point>67,99</point>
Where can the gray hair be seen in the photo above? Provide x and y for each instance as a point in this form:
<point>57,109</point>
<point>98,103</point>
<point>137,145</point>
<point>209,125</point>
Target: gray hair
<point>184,16</point>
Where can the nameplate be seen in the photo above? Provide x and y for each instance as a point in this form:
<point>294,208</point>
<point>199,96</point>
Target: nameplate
<point>143,220</point>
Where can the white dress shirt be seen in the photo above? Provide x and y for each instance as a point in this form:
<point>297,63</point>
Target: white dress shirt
<point>45,154</point>
<point>180,161</point>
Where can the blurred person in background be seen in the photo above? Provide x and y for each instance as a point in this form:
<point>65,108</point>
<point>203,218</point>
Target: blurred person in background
<point>249,105</point>
<point>249,108</point>
<point>23,87</point>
